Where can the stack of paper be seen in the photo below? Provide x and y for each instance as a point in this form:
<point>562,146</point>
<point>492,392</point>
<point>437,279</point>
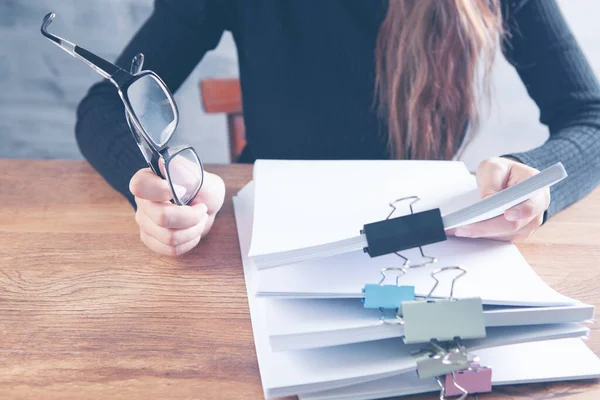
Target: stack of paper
<point>543,361</point>
<point>313,336</point>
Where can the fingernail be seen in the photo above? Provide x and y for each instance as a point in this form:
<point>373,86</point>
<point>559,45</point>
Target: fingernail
<point>513,215</point>
<point>462,232</point>
<point>179,190</point>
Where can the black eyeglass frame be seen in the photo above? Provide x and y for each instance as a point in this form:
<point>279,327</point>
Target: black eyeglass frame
<point>122,80</point>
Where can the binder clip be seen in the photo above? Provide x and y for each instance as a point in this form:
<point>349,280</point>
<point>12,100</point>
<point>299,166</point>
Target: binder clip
<point>443,319</point>
<point>390,297</point>
<point>387,296</point>
<point>438,359</point>
<point>406,232</point>
<point>429,259</point>
<point>473,380</point>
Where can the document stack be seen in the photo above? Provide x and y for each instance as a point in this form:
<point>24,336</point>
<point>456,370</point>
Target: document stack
<point>335,318</point>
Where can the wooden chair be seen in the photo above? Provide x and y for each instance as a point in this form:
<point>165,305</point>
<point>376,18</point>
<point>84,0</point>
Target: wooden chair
<point>225,96</point>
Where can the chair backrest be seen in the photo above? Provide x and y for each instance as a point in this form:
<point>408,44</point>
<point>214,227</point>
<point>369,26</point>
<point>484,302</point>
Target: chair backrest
<point>224,95</point>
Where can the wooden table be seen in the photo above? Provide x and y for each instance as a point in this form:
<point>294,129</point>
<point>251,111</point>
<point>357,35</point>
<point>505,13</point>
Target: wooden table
<point>86,311</point>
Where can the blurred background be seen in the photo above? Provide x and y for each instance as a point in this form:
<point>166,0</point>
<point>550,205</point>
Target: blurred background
<point>40,85</point>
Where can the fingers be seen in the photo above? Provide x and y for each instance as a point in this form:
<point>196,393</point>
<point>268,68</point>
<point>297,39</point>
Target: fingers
<point>167,240</point>
<point>212,193</point>
<point>170,237</point>
<point>528,230</point>
<point>519,222</point>
<point>530,208</point>
<point>494,227</point>
<point>209,224</point>
<point>496,174</point>
<point>492,175</point>
<point>512,222</point>
<point>168,215</point>
<point>171,251</point>
<point>146,185</point>
<point>523,233</point>
<point>170,229</point>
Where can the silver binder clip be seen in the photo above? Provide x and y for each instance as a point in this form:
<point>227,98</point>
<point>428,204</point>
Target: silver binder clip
<point>443,319</point>
<point>438,358</point>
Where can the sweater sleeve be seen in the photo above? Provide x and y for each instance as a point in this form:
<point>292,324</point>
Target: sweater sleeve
<point>173,40</point>
<point>558,78</point>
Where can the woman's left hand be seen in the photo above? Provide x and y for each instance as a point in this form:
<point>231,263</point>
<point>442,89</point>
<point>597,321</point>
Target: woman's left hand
<point>518,222</point>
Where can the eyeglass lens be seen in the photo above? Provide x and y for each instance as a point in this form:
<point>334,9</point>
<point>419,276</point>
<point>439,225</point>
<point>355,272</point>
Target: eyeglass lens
<point>185,172</point>
<point>144,148</point>
<point>153,108</point>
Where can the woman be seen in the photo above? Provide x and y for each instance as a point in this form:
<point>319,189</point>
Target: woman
<point>358,79</point>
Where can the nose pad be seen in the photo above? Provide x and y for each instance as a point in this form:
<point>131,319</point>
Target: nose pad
<point>137,63</point>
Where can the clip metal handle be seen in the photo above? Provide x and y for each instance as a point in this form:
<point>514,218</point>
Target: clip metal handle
<point>437,281</point>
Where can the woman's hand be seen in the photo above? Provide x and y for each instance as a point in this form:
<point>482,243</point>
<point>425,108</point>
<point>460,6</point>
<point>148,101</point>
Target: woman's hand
<point>167,228</point>
<point>518,222</point>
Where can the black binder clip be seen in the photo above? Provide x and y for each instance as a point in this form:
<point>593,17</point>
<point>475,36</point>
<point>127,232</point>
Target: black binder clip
<point>401,233</point>
<point>390,297</point>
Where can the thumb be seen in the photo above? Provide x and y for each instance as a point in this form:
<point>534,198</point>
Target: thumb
<point>492,176</point>
<point>212,193</point>
<point>146,185</point>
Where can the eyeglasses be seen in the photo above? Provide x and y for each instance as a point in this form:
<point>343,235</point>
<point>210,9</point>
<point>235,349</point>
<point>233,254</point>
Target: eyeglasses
<point>152,116</point>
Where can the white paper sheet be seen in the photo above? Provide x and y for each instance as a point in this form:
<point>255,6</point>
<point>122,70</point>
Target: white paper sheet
<point>289,373</point>
<point>497,272</point>
<point>546,361</point>
<point>308,203</point>
<point>295,324</point>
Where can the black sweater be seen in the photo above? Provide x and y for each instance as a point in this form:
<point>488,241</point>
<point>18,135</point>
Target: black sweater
<point>307,75</point>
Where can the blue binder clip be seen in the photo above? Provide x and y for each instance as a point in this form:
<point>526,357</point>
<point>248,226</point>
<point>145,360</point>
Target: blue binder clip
<point>388,297</point>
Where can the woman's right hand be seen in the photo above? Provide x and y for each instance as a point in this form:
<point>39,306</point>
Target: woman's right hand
<point>167,228</point>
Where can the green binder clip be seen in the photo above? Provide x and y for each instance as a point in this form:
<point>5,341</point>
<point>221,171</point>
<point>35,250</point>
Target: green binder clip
<point>443,319</point>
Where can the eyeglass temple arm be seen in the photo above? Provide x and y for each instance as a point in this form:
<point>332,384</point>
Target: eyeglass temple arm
<point>100,65</point>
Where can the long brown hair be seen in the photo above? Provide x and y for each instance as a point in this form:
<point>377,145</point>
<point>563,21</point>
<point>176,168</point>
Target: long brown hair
<point>427,62</point>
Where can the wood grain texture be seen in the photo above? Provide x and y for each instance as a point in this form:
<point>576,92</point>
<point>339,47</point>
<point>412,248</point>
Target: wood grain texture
<point>86,311</point>
<point>221,95</point>
<point>224,95</point>
<point>237,135</point>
